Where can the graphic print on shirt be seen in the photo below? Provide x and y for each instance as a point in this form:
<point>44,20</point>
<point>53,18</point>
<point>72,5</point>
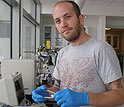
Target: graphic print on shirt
<point>76,73</point>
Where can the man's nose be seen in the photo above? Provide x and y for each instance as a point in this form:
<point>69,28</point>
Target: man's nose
<point>63,23</point>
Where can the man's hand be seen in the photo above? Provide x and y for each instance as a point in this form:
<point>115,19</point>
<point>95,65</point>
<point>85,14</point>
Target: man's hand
<point>68,97</point>
<point>39,94</point>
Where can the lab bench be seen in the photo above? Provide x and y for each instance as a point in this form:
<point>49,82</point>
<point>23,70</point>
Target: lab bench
<point>46,103</point>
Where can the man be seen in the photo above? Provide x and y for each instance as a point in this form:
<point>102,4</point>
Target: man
<point>87,71</point>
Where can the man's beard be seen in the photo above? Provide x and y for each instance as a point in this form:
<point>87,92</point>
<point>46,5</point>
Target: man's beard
<point>75,34</point>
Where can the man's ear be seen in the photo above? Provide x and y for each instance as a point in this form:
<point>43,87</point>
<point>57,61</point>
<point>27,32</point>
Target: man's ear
<point>56,29</point>
<point>81,17</point>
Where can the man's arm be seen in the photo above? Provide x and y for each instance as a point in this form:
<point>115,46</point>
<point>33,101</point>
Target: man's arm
<point>114,96</point>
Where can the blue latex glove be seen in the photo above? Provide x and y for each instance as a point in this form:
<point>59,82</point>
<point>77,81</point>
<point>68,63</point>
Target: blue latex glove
<point>39,94</point>
<point>68,97</point>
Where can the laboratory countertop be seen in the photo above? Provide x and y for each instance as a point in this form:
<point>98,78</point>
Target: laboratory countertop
<point>40,105</point>
<point>33,105</point>
<point>45,104</point>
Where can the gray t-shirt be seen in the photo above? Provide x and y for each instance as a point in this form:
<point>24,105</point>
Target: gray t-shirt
<point>88,67</point>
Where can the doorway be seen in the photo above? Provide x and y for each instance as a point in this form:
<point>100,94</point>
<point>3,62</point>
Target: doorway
<point>115,37</point>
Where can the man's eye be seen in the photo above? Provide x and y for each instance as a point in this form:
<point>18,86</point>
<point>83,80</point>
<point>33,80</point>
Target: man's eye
<point>57,21</point>
<point>67,17</point>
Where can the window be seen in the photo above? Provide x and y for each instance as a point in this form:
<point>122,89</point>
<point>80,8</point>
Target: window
<point>115,41</point>
<point>109,39</point>
<point>13,20</point>
<point>30,7</point>
<point>29,25</point>
<point>28,39</point>
<point>5,30</point>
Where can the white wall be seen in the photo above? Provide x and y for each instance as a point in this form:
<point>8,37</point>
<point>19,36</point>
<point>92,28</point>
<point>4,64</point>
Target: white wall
<point>91,22</point>
<point>103,10</point>
<point>115,22</point>
<point>101,28</point>
<point>47,8</point>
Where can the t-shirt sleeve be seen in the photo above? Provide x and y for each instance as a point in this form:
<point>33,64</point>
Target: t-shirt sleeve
<point>108,64</point>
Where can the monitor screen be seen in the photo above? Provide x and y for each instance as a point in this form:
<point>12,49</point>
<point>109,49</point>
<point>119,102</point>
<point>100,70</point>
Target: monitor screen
<point>19,90</point>
<point>12,91</point>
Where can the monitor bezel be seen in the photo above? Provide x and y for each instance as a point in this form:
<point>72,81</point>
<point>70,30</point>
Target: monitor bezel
<point>16,78</point>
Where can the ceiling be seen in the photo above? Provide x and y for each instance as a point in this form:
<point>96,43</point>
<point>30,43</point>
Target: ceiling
<point>105,2</point>
<point>115,3</point>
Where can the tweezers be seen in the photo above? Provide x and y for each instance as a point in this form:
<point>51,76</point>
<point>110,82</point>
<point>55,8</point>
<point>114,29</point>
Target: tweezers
<point>51,93</point>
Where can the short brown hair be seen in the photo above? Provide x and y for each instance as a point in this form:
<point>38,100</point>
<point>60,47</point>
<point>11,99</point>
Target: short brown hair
<point>75,6</point>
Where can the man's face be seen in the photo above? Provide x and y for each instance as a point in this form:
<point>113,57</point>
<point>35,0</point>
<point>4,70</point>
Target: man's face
<point>67,23</point>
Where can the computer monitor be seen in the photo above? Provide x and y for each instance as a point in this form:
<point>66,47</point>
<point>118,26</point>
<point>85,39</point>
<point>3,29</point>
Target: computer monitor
<point>12,90</point>
<point>24,66</point>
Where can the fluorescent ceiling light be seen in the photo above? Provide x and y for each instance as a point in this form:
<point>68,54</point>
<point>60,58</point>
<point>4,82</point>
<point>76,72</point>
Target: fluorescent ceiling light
<point>107,28</point>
